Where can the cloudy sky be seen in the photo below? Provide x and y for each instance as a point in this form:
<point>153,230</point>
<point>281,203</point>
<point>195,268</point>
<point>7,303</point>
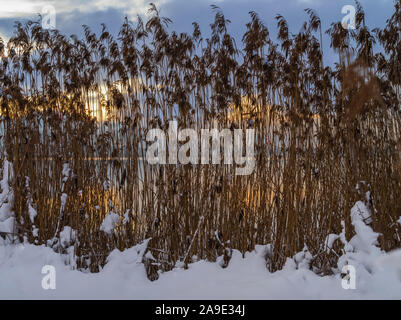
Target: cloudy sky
<point>72,14</point>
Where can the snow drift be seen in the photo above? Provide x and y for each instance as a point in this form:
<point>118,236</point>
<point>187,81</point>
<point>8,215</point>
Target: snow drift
<point>124,277</point>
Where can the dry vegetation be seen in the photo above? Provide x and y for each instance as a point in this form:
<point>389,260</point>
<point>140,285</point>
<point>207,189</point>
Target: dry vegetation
<point>319,132</point>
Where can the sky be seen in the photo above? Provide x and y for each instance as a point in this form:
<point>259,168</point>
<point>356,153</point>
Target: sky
<point>72,14</point>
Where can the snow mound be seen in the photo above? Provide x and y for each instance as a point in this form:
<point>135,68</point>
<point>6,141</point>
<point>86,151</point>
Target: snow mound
<point>7,225</point>
<point>124,277</point>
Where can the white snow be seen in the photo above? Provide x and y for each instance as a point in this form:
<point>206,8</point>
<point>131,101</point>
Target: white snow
<point>7,225</point>
<point>7,220</point>
<point>67,236</point>
<point>124,277</point>
<point>126,216</point>
<point>32,212</point>
<point>331,238</point>
<point>365,238</point>
<point>110,222</point>
<point>66,171</point>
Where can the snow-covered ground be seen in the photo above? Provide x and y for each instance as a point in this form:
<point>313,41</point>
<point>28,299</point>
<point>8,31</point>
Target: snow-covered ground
<point>124,277</point>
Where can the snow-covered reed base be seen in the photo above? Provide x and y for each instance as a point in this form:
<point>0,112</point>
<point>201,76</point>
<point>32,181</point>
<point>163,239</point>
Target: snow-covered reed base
<point>124,277</point>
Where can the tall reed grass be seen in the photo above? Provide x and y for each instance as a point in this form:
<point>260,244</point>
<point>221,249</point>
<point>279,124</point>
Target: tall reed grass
<point>320,132</point>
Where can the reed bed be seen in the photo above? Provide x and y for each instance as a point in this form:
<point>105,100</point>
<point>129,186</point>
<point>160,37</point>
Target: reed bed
<point>75,114</point>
